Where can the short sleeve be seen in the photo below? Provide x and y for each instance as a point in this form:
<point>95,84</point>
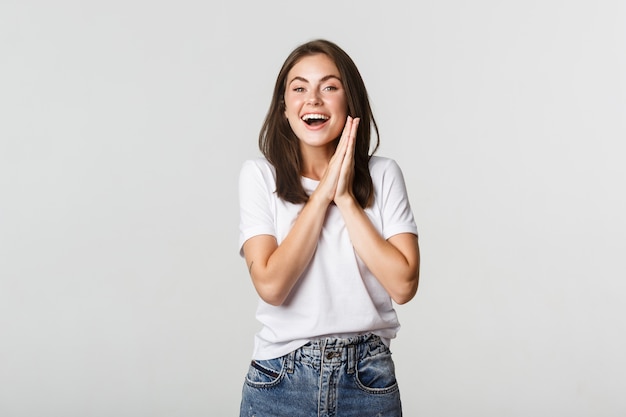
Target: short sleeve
<point>256,189</point>
<point>397,216</point>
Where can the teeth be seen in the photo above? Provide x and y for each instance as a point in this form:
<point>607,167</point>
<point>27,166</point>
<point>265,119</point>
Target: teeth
<point>314,116</point>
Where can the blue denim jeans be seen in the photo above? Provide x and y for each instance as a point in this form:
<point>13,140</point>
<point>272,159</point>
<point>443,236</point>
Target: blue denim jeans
<point>353,377</point>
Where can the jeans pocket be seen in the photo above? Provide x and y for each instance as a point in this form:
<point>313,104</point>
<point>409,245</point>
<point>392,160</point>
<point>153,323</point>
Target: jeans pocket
<point>265,373</point>
<point>377,374</point>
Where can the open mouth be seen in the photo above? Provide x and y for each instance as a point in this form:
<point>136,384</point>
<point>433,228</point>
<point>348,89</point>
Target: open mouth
<point>315,119</point>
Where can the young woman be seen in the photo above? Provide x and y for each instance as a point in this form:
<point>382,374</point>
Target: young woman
<point>329,239</point>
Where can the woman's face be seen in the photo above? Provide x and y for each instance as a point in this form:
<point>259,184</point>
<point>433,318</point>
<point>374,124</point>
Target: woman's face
<point>315,101</point>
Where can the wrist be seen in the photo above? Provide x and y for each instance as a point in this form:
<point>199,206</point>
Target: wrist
<point>345,202</point>
<point>318,200</point>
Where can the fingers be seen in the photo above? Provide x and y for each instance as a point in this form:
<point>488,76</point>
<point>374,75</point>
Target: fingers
<point>343,140</point>
<point>344,184</point>
<point>338,175</point>
<point>352,137</point>
<point>350,144</point>
<point>348,135</point>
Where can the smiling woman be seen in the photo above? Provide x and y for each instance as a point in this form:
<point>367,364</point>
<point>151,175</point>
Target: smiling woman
<point>280,143</point>
<point>329,238</point>
<point>315,106</point>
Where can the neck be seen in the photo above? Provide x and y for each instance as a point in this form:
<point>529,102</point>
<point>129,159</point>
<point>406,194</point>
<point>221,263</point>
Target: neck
<point>315,161</point>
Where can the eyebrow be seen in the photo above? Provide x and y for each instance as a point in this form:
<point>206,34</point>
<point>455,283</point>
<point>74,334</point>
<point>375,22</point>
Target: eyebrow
<point>325,78</point>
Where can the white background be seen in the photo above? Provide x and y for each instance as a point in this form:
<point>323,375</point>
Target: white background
<point>123,125</point>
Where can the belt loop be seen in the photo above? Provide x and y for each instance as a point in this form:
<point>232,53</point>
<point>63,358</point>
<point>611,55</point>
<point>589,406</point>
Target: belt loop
<point>290,362</point>
<point>351,359</point>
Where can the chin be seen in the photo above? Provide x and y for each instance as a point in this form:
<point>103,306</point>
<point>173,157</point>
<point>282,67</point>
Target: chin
<point>316,142</point>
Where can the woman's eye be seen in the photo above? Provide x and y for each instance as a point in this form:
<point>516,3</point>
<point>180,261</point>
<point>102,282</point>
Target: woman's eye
<point>330,88</point>
<point>298,89</point>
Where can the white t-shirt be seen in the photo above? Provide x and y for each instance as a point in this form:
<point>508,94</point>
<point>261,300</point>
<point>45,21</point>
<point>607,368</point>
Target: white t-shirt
<point>336,295</point>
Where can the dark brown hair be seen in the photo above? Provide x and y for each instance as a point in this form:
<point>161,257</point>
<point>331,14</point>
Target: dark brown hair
<point>280,145</point>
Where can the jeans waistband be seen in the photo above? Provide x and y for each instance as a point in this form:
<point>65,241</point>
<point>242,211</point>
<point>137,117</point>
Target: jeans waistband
<point>337,351</point>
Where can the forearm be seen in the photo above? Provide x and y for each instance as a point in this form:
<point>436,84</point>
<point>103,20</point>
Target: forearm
<point>275,270</point>
<point>395,266</point>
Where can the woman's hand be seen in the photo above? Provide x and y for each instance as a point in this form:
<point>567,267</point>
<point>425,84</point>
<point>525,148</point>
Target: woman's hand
<point>346,174</point>
<point>337,180</point>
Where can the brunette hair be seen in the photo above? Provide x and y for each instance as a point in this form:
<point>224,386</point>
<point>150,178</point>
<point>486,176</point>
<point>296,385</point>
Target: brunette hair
<point>280,145</point>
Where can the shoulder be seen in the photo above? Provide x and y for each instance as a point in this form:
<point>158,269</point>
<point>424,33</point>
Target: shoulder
<point>257,167</point>
<point>259,163</point>
<point>255,175</point>
<point>381,166</point>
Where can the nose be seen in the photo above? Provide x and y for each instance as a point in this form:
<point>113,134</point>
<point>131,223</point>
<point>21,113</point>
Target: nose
<point>313,98</point>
